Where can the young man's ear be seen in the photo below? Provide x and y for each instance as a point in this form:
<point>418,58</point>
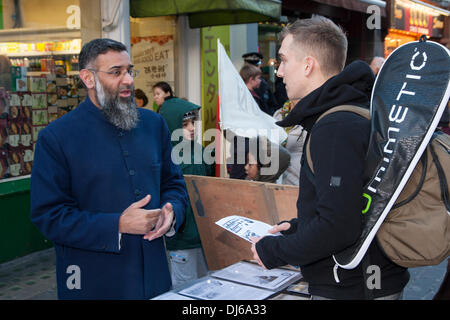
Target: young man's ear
<point>88,78</point>
<point>309,65</point>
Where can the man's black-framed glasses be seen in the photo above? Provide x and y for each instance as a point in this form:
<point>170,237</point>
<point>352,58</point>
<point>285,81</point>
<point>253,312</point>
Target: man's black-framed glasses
<point>117,73</point>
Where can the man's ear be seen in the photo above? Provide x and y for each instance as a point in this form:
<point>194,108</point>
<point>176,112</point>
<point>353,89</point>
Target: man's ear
<point>88,78</point>
<point>310,64</point>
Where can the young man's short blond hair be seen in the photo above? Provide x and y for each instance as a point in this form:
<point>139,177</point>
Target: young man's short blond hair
<point>321,38</point>
<point>249,71</point>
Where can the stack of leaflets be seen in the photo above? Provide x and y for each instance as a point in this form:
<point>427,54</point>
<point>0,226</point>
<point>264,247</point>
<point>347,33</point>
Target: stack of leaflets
<point>217,289</point>
<point>301,288</point>
<point>254,275</point>
<point>241,281</point>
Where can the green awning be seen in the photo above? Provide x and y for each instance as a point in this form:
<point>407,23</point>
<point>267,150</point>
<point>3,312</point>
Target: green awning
<point>203,13</point>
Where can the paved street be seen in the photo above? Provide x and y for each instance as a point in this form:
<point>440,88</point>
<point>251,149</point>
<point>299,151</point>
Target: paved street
<point>33,278</point>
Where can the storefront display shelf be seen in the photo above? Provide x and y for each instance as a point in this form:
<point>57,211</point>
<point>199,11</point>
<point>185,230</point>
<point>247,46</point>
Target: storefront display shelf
<point>38,73</point>
<point>14,185</point>
<point>18,235</point>
<point>40,54</point>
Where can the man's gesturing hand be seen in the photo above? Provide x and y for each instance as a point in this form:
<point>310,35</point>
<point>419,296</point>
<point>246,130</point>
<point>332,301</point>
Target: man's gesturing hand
<point>136,220</point>
<point>164,223</point>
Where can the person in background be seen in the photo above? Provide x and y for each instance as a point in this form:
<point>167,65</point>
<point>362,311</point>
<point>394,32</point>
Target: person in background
<point>443,292</point>
<point>260,156</point>
<point>252,79</point>
<point>293,144</point>
<point>376,64</point>
<point>104,188</point>
<point>186,255</point>
<point>280,92</point>
<point>162,91</point>
<point>251,75</point>
<point>141,98</point>
<point>268,102</point>
<point>254,58</point>
<point>236,169</point>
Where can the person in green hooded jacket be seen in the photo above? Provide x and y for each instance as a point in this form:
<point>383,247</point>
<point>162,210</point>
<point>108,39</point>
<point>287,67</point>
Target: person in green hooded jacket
<point>186,255</point>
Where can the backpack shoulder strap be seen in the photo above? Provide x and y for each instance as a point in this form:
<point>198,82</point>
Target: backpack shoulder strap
<point>443,139</point>
<point>363,112</point>
<point>440,152</point>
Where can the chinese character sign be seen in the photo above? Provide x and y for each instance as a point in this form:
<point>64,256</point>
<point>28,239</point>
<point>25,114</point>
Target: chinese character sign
<point>209,36</point>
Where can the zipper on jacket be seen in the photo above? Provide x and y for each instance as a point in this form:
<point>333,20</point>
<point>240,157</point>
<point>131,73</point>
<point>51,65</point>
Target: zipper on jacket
<point>335,269</point>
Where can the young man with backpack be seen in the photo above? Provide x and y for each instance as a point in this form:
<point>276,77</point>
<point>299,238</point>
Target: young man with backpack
<point>313,53</point>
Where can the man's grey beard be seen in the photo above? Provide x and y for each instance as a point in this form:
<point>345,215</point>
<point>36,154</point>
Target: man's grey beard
<point>121,112</point>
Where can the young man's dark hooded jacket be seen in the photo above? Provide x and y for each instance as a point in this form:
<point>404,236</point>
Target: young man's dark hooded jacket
<point>330,200</point>
<point>173,111</point>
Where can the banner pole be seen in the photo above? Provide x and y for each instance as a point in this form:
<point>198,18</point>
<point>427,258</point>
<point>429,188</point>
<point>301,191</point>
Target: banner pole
<point>221,170</point>
<point>218,141</point>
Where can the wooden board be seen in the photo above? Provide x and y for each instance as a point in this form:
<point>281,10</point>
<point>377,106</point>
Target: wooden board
<point>285,199</point>
<point>215,198</point>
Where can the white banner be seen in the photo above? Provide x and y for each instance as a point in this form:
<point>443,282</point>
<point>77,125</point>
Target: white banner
<point>239,111</point>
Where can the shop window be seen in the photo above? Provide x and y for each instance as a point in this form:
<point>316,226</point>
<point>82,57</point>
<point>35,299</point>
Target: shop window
<point>396,39</point>
<point>39,46</point>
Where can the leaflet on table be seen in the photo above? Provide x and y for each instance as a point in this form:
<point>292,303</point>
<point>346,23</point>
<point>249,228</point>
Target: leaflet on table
<point>245,227</point>
<point>171,296</point>
<point>301,287</point>
<point>255,275</point>
<point>215,289</point>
